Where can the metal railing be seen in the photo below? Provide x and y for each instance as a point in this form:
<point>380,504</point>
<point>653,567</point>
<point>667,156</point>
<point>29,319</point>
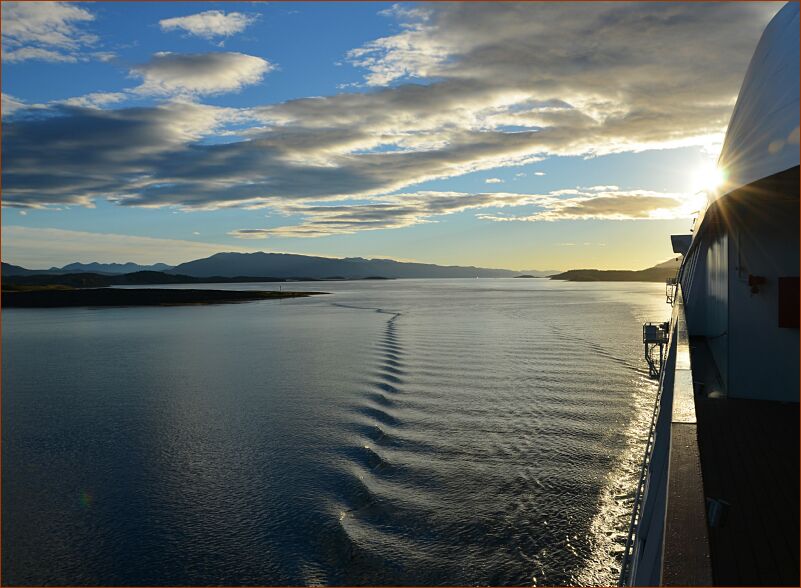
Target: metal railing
<point>654,338</point>
<point>628,550</point>
<point>670,545</point>
<point>627,562</point>
<point>671,285</point>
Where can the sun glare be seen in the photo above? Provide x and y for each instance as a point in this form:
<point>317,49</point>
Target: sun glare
<point>708,178</point>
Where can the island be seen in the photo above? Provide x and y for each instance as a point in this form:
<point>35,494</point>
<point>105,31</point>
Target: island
<point>148,277</point>
<point>53,297</point>
<point>658,273</point>
<point>140,278</point>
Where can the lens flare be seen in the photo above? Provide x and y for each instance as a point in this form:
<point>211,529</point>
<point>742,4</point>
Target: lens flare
<point>709,178</point>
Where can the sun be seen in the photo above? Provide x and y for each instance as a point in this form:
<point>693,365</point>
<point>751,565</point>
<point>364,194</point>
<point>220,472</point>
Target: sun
<point>708,178</point>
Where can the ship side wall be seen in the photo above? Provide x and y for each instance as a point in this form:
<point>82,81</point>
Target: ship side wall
<point>717,301</point>
<point>693,283</point>
<point>763,246</point>
<point>705,280</point>
<point>746,248</point>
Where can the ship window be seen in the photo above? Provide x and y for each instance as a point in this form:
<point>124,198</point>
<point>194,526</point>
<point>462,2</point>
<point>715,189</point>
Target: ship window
<point>788,302</point>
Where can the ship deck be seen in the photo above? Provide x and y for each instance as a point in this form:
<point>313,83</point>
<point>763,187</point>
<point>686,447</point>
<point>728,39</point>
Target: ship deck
<point>749,453</point>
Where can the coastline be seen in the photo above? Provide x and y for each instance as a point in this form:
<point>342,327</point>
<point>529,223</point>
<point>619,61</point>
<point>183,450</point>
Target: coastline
<point>655,274</point>
<point>137,297</point>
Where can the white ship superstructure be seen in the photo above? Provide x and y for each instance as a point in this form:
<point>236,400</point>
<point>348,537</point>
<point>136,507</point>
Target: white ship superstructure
<point>719,496</point>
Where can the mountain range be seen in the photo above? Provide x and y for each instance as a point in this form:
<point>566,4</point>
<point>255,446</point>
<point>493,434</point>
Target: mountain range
<point>287,265</point>
<point>293,266</point>
<point>110,268</point>
<point>281,265</point>
<point>94,268</point>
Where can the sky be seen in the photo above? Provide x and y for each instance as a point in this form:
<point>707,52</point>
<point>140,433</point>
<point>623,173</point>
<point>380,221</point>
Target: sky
<point>517,135</point>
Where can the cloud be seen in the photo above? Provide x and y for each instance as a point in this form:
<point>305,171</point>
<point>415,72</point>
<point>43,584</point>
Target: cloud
<point>37,53</point>
<point>152,157</point>
<point>619,206</point>
<point>200,73</point>
<point>209,24</point>
<point>97,153</point>
<point>404,210</point>
<point>104,56</point>
<point>167,74</point>
<point>493,181</point>
<point>605,203</point>
<point>539,173</point>
<point>413,54</point>
<point>42,248</point>
<point>95,99</point>
<point>10,104</point>
<point>55,24</point>
<point>403,12</point>
<point>504,84</point>
<point>389,212</point>
<point>45,31</point>
<point>636,74</point>
<point>40,54</point>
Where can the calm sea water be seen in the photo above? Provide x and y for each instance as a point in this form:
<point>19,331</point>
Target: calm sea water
<point>394,432</point>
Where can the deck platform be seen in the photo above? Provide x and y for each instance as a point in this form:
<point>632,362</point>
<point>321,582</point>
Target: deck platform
<point>750,461</point>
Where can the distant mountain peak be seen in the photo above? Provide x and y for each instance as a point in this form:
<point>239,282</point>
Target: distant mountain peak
<point>260,264</point>
<point>109,268</point>
<point>673,262</point>
<point>292,265</point>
